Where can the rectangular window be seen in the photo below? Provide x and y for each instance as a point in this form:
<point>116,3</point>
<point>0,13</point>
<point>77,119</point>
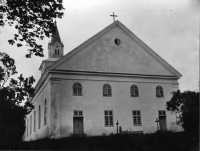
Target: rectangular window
<point>34,120</point>
<point>137,118</point>
<point>30,124</point>
<point>27,127</point>
<point>108,118</point>
<point>78,113</point>
<point>45,112</point>
<point>39,118</point>
<point>161,113</point>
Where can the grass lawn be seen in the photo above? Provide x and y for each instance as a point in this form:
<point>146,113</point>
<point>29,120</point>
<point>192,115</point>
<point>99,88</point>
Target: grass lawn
<point>131,142</point>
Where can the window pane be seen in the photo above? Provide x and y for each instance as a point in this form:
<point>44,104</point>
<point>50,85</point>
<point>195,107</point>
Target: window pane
<point>107,90</point>
<point>134,113</point>
<point>106,121</point>
<point>108,118</point>
<point>75,113</point>
<point>77,89</point>
<point>106,112</point>
<point>136,92</point>
<point>164,113</point>
<point>139,120</point>
<point>111,120</point>
<point>80,113</point>
<point>137,117</point>
<point>30,124</point>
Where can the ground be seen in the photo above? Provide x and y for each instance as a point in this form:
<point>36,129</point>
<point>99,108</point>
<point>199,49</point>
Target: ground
<point>139,142</point>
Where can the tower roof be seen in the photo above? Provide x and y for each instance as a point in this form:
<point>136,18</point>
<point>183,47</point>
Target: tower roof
<point>55,37</point>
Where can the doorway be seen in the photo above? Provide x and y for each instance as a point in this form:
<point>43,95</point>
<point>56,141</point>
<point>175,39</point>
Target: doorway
<point>162,120</point>
<point>78,125</point>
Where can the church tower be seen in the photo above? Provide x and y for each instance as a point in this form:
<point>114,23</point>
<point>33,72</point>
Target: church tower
<point>55,50</point>
<point>55,47</point>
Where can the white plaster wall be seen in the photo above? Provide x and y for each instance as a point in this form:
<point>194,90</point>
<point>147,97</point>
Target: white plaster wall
<point>93,103</point>
<point>103,55</point>
<point>55,92</point>
<point>39,99</point>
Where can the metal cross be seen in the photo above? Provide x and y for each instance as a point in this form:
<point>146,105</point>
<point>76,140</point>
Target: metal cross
<point>113,16</point>
<point>117,126</point>
<point>157,120</point>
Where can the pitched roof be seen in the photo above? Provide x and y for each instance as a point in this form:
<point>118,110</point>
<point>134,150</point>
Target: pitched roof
<point>116,23</point>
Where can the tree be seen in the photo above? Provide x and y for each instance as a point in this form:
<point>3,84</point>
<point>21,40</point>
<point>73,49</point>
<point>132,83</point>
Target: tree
<point>33,19</point>
<point>12,113</point>
<point>186,106</point>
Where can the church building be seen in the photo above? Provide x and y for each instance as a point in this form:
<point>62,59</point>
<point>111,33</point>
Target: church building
<point>111,80</point>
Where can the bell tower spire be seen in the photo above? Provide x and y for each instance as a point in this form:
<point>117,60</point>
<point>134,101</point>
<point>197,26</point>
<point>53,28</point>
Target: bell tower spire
<point>55,47</point>
<point>55,50</point>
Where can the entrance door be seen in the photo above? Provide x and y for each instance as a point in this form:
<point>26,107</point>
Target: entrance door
<point>162,120</point>
<point>78,125</point>
<point>162,123</point>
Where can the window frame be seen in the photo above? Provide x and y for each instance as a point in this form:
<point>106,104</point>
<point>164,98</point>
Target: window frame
<point>110,117</point>
<point>56,50</point>
<point>78,113</point>
<point>30,124</point>
<point>134,88</point>
<point>27,127</point>
<point>162,111</point>
<point>108,89</point>
<point>34,128</point>
<point>39,118</point>
<point>137,117</point>
<point>45,112</point>
<point>78,88</point>
<point>159,91</point>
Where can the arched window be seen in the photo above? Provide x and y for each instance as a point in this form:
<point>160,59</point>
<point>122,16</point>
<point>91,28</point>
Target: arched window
<point>45,112</point>
<point>57,50</point>
<point>77,88</point>
<point>39,117</point>
<point>134,91</point>
<point>27,127</point>
<point>107,90</point>
<point>34,120</point>
<point>159,91</point>
<point>30,124</point>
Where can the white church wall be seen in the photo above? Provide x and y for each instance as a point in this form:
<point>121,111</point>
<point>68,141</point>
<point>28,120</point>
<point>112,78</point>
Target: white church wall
<point>103,55</point>
<point>120,62</point>
<point>93,103</point>
<point>55,108</point>
<point>38,100</point>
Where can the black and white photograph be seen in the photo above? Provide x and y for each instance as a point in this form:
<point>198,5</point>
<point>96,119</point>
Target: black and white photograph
<point>99,75</point>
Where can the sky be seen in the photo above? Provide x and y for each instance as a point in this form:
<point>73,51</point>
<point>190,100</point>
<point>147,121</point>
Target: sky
<point>169,27</point>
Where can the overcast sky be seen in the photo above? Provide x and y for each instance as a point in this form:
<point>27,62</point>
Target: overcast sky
<point>169,27</point>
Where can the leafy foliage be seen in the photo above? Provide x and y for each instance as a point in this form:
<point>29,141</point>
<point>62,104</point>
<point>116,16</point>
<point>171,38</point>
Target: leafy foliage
<point>186,106</point>
<point>33,19</point>
<point>12,114</point>
<point>7,68</point>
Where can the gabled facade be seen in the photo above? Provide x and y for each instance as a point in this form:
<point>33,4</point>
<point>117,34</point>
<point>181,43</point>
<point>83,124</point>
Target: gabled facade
<point>112,77</point>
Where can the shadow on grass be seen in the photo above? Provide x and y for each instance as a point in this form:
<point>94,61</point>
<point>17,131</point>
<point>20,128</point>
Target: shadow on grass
<point>138,142</point>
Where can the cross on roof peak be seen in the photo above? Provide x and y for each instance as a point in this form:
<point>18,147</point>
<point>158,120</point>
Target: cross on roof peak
<point>113,16</point>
